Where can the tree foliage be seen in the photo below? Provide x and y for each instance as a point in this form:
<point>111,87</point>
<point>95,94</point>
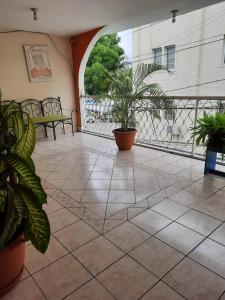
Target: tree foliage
<point>106,56</point>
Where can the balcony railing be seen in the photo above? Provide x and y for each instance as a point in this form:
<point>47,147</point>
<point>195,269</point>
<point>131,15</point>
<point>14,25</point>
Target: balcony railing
<point>170,132</point>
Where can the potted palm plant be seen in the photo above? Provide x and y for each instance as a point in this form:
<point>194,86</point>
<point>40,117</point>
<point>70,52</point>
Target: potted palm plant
<point>210,131</point>
<point>130,94</point>
<point>21,196</point>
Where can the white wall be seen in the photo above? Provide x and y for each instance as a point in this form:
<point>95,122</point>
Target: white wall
<point>193,66</point>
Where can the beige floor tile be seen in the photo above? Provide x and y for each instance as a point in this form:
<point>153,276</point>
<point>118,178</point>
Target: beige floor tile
<point>86,161</point>
<point>58,194</point>
<point>156,256</point>
<point>134,211</point>
<point>24,274</point>
<point>95,184</point>
<point>51,205</point>
<point>58,183</point>
<point>150,221</point>
<point>143,203</point>
<point>187,198</point>
<point>162,292</point>
<point>95,196</point>
<point>75,194</point>
<point>102,168</point>
<point>26,290</point>
<point>122,184</point>
<point>75,235</point>
<point>195,282</point>
<point>61,278</point>
<point>213,180</point>
<point>180,237</point>
<point>75,184</point>
<point>214,207</point>
<point>113,209</point>
<point>92,290</point>
<point>170,209</point>
<point>82,168</point>
<point>98,208</point>
<point>156,198</point>
<point>97,254</point>
<point>78,160</point>
<point>211,255</point>
<point>122,174</point>
<point>219,195</point>
<point>144,193</point>
<point>101,175</point>
<point>58,175</point>
<point>82,174</point>
<point>60,219</point>
<point>126,279</point>
<point>123,196</point>
<point>219,234</point>
<point>199,222</point>
<point>201,189</point>
<point>34,260</point>
<point>127,236</point>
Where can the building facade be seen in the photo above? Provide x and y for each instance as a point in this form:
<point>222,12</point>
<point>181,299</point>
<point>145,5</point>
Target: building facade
<point>192,48</point>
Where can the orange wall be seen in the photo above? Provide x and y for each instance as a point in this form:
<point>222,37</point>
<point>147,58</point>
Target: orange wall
<point>79,45</point>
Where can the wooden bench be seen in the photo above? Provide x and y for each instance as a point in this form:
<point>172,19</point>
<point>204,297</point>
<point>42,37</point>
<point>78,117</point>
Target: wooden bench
<point>47,113</point>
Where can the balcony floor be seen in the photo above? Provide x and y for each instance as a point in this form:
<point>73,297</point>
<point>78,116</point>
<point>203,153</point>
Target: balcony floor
<point>141,224</point>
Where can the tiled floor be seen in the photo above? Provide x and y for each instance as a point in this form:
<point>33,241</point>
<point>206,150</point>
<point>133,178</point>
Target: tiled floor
<point>141,224</point>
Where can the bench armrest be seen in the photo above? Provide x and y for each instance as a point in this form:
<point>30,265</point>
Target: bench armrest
<point>71,111</point>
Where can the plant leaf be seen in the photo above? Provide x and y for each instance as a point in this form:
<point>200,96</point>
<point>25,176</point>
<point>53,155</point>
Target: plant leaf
<point>3,195</point>
<point>18,125</point>
<point>37,225</point>
<point>9,228</point>
<point>25,147</point>
<point>28,177</point>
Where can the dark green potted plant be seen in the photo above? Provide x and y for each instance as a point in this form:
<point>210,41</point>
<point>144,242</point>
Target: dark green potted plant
<point>131,94</point>
<point>210,132</point>
<point>21,196</point>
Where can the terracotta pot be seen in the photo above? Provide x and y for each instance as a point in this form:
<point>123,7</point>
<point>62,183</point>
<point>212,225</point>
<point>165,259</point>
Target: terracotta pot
<point>11,264</point>
<point>124,140</point>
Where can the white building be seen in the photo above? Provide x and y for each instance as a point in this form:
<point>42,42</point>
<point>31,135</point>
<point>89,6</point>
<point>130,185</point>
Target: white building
<point>192,48</point>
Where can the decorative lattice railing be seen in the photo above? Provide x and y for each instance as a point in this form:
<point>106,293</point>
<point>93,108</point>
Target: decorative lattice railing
<point>171,131</point>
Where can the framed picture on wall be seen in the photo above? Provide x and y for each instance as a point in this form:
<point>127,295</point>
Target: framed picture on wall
<point>38,63</point>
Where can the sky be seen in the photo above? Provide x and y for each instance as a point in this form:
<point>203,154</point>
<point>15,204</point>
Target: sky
<point>126,42</point>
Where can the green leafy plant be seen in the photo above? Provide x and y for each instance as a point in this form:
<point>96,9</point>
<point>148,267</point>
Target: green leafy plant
<point>21,193</point>
<point>131,94</point>
<point>107,55</point>
<point>210,131</point>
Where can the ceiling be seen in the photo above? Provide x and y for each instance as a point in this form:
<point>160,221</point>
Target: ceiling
<point>70,17</point>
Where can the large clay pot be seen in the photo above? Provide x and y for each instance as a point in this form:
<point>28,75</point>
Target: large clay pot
<point>11,264</point>
<point>124,139</point>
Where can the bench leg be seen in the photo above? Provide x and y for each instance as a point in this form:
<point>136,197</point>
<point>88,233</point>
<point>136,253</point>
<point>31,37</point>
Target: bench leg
<point>46,133</point>
<point>64,128</point>
<point>53,128</point>
<point>72,127</point>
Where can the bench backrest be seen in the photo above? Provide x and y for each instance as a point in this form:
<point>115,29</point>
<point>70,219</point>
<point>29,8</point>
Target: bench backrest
<point>51,106</point>
<point>32,107</point>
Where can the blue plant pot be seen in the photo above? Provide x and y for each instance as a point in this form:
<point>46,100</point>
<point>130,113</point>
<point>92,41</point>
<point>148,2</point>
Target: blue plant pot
<point>210,161</point>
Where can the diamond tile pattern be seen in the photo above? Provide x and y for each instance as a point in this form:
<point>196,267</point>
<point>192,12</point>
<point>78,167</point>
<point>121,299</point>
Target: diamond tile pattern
<point>137,224</point>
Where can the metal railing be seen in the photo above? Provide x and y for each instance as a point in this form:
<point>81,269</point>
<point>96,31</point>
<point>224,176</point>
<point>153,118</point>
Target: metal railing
<point>172,131</point>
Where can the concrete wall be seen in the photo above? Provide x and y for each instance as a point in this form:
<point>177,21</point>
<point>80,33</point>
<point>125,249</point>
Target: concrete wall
<point>14,79</point>
<point>193,66</point>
